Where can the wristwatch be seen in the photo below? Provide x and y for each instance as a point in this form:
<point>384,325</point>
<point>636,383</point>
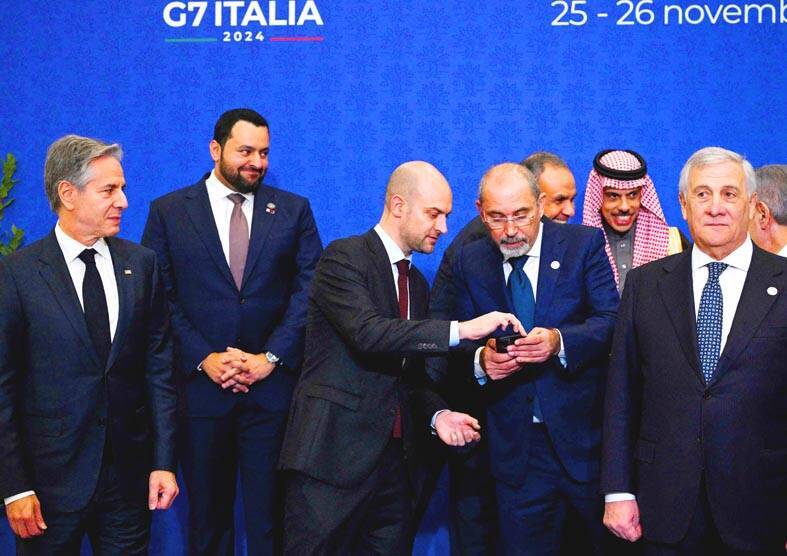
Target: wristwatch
<point>272,358</point>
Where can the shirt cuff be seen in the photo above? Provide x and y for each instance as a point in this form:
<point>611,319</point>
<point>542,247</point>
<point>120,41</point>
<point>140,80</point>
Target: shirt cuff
<point>19,496</point>
<point>478,370</point>
<point>562,353</point>
<point>434,420</point>
<point>453,336</point>
<point>618,497</point>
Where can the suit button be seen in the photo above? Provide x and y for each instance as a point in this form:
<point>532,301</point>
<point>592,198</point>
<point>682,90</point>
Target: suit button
<point>242,300</point>
<point>706,395</point>
<point>101,421</point>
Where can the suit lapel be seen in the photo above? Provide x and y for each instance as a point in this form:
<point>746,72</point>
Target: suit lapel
<point>201,215</point>
<point>489,262</point>
<point>675,288</point>
<point>754,304</point>
<point>382,268</point>
<point>53,269</point>
<point>260,227</point>
<point>552,249</point>
<point>419,295</point>
<point>125,286</point>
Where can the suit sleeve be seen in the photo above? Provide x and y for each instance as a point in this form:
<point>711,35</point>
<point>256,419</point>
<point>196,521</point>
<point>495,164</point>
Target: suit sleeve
<point>341,293</point>
<point>162,393</point>
<point>588,341</point>
<point>286,340</point>
<point>193,347</point>
<point>621,401</point>
<point>14,477</point>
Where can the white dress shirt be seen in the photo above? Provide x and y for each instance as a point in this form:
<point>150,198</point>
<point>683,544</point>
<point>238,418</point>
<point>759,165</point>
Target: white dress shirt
<point>71,249</point>
<point>531,271</point>
<point>220,204</point>
<point>731,282</point>
<point>783,251</point>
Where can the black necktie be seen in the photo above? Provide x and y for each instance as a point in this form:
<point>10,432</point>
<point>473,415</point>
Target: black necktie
<point>95,303</point>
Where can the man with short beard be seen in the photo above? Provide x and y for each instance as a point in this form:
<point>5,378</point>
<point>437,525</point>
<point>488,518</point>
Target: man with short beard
<point>543,393</point>
<point>237,257</point>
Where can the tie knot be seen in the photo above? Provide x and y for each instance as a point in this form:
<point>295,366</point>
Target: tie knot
<point>236,198</point>
<point>88,256</point>
<point>517,263</point>
<point>715,269</point>
<point>403,266</point>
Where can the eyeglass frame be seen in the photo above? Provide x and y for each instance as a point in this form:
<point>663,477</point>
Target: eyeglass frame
<point>499,223</point>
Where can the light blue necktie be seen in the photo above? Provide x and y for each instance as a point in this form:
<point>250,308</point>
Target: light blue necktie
<point>709,321</point>
<point>524,306</point>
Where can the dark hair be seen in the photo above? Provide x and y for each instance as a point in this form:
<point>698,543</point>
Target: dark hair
<point>225,123</point>
<point>537,161</point>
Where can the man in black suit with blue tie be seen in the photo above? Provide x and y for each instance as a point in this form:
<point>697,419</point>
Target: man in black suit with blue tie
<point>87,399</point>
<point>237,257</point>
<point>695,426</point>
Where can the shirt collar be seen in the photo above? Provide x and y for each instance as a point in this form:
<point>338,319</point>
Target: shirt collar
<point>217,190</point>
<point>535,251</point>
<point>740,258</point>
<point>71,248</point>
<point>394,252</point>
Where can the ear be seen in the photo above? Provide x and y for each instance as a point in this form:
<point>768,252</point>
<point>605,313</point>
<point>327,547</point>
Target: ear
<point>479,208</point>
<point>67,192</point>
<point>215,150</point>
<point>396,205</point>
<point>682,199</point>
<point>540,204</point>
<point>762,215</point>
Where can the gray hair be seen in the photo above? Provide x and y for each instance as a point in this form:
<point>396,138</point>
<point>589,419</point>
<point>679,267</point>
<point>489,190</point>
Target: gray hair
<point>772,190</point>
<point>510,167</point>
<point>539,160</point>
<point>710,156</point>
<point>69,158</point>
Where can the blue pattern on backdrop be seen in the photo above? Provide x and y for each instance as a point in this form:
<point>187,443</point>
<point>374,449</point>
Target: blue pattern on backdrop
<point>461,84</point>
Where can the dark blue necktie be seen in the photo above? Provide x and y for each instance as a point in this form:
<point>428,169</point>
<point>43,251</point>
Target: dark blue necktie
<point>709,321</point>
<point>524,306</point>
<point>95,303</point>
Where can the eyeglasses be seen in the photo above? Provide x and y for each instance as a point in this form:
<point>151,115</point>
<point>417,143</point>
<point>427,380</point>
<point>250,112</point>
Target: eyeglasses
<point>499,222</point>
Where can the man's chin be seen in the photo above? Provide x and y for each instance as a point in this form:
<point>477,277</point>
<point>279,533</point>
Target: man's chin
<point>511,252</point>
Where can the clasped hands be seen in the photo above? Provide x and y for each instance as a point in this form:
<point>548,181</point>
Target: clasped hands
<point>536,347</point>
<point>237,369</point>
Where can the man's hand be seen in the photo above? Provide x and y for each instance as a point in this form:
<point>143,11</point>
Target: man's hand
<point>622,518</point>
<point>539,345</point>
<point>217,365</point>
<point>248,369</point>
<point>457,429</point>
<point>24,517</point>
<point>162,490</point>
<point>497,365</point>
<point>484,325</point>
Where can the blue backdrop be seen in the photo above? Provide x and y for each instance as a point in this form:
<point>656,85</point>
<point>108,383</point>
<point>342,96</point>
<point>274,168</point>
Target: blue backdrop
<point>353,89</point>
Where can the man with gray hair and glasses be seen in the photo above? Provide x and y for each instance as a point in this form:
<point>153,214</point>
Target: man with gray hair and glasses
<point>768,228</point>
<point>87,399</point>
<point>695,427</point>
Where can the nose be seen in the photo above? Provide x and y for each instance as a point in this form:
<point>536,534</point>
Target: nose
<point>442,224</point>
<point>510,228</point>
<point>624,204</point>
<point>121,201</point>
<point>716,206</point>
<point>568,208</point>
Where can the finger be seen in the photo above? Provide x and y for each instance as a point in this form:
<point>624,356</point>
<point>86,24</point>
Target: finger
<point>153,490</point>
<point>240,388</point>
<point>165,500</point>
<point>31,527</point>
<point>39,518</point>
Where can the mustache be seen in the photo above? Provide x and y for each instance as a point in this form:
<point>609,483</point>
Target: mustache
<point>516,239</point>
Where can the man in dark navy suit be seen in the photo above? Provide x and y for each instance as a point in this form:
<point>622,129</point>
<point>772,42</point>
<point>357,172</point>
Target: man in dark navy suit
<point>543,394</point>
<point>695,425</point>
<point>237,257</point>
<point>87,398</point>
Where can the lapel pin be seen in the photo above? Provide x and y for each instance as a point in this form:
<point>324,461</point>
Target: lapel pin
<point>127,271</point>
<point>772,291</point>
<point>554,265</point>
<point>270,208</point>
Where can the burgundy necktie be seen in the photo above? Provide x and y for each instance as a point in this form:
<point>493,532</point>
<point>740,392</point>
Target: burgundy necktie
<point>239,238</point>
<point>404,269</point>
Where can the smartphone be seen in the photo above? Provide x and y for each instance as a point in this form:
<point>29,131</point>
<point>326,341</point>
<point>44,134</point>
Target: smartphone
<point>503,342</point>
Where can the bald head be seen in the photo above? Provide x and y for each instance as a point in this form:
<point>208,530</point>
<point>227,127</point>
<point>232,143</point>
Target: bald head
<point>417,203</point>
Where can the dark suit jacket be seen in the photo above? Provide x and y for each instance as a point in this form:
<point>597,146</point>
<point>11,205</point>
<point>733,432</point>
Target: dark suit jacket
<point>345,402</point>
<point>664,428</point>
<point>208,311</point>
<point>580,299</point>
<point>57,404</point>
